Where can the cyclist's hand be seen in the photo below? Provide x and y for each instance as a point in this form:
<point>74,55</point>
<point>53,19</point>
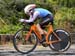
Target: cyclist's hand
<point>22,20</point>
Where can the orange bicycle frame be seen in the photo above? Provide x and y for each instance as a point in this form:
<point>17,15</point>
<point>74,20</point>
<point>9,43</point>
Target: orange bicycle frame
<point>50,30</point>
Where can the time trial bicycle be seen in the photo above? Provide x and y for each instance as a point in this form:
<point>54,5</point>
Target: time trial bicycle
<point>25,40</point>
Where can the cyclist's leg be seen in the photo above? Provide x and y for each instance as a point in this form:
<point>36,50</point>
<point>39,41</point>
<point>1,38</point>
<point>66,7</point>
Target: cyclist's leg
<point>40,29</point>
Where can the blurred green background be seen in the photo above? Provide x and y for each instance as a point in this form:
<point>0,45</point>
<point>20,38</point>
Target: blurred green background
<point>12,10</point>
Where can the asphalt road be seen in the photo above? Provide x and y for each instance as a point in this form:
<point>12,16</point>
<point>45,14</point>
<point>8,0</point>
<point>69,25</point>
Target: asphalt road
<point>6,50</point>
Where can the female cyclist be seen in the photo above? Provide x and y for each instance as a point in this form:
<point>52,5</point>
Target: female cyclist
<point>34,13</point>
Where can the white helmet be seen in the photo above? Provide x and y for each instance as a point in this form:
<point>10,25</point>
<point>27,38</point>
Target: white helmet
<point>29,7</point>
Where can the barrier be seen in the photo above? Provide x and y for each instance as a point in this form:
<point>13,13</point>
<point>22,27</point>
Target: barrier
<point>73,37</point>
<point>4,38</point>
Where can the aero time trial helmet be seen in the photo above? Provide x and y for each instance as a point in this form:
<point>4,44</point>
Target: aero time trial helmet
<point>29,7</point>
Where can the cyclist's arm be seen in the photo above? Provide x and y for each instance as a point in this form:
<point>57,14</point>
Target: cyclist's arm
<point>32,18</point>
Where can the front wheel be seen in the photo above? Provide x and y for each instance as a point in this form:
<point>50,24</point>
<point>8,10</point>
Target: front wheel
<point>62,45</point>
<point>23,46</point>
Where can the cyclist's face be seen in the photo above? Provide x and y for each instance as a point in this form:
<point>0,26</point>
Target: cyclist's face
<point>30,12</point>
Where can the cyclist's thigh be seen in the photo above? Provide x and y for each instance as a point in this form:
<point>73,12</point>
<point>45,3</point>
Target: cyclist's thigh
<point>46,21</point>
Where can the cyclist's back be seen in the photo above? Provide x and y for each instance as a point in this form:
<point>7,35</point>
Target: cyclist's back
<point>42,12</point>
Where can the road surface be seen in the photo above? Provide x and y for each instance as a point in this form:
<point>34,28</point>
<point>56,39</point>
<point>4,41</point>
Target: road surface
<point>6,50</point>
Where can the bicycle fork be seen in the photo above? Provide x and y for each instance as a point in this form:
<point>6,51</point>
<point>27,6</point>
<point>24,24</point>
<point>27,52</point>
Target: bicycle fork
<point>27,36</point>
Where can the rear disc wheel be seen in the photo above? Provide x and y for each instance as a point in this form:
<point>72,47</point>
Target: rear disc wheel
<point>62,45</point>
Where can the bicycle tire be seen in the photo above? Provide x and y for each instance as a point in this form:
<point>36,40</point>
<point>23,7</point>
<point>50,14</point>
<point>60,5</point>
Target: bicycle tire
<point>17,48</point>
<point>62,45</point>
